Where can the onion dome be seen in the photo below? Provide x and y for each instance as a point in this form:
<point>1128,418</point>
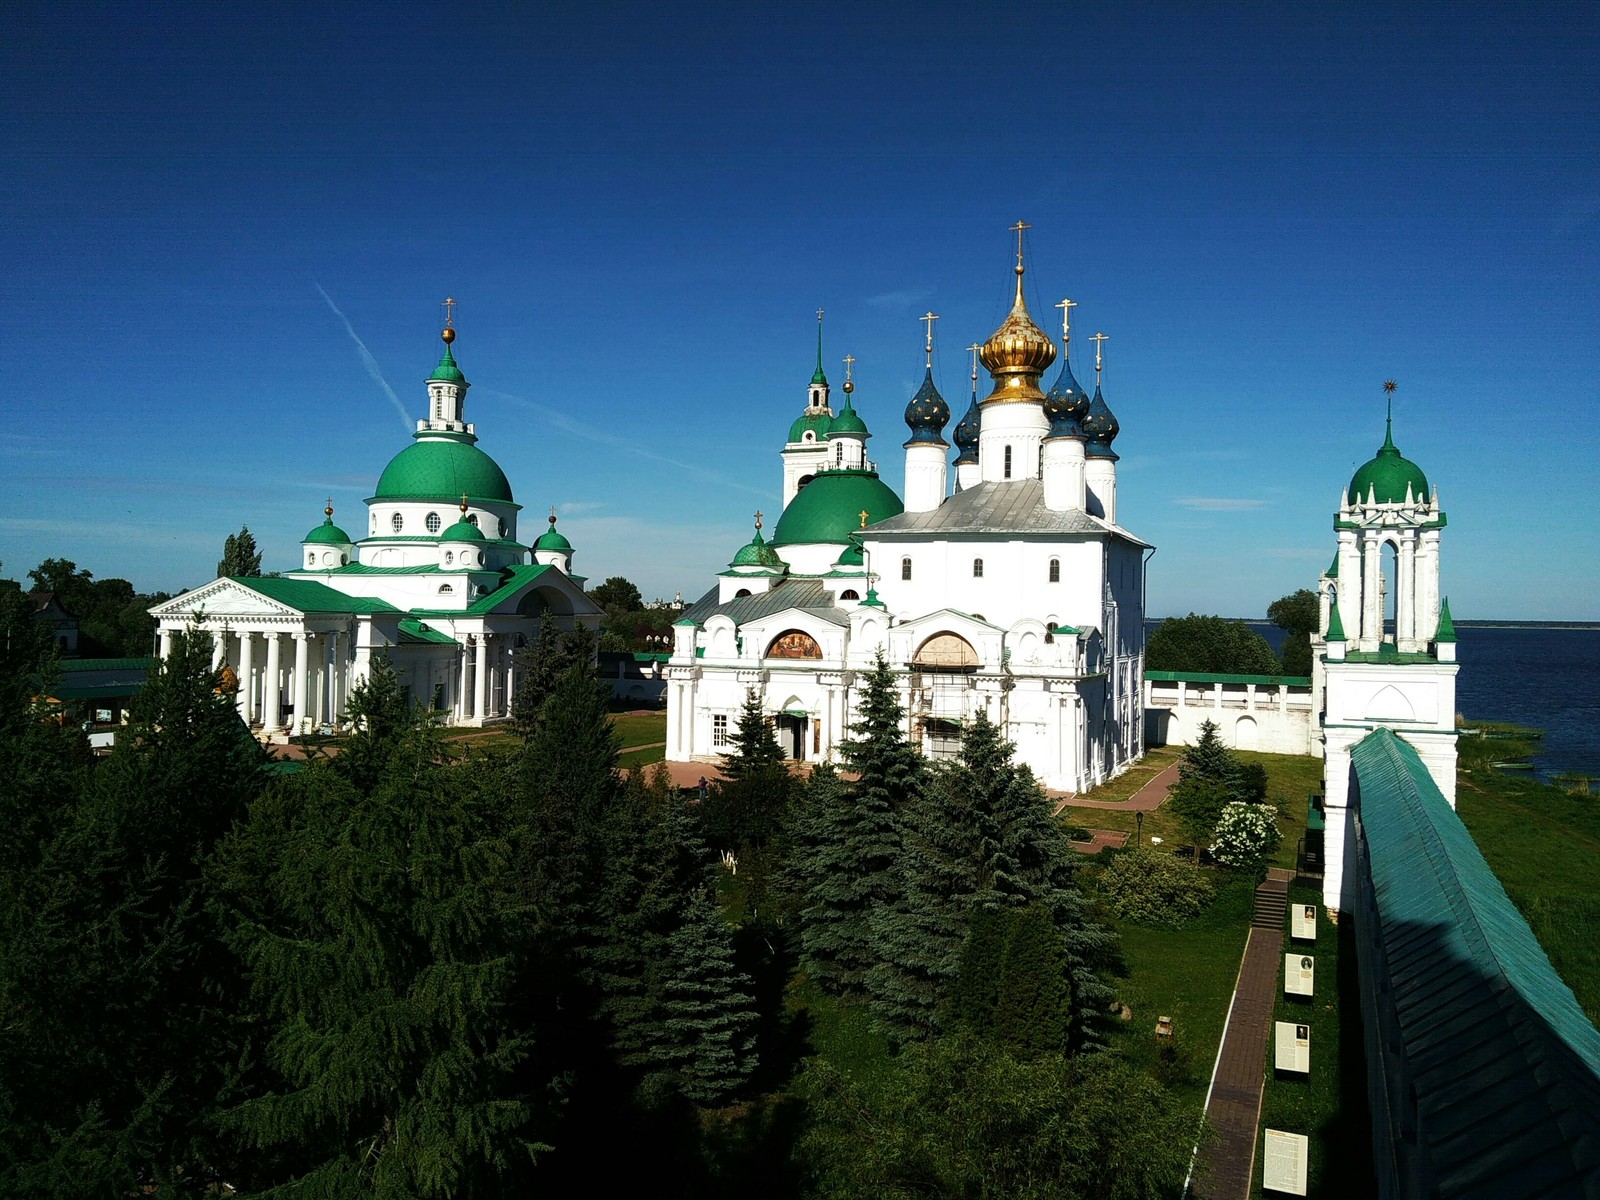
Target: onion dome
<point>328,534</point>
<point>1387,477</point>
<point>757,554</point>
<point>552,540</point>
<point>1017,353</point>
<point>1100,427</point>
<point>829,508</point>
<point>447,371</point>
<point>1066,403</point>
<point>966,435</point>
<point>927,414</point>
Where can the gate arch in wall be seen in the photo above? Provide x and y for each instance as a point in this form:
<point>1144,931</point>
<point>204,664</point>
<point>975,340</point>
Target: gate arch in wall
<point>1245,733</point>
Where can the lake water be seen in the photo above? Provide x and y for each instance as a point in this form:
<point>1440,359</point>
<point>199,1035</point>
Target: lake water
<point>1546,678</point>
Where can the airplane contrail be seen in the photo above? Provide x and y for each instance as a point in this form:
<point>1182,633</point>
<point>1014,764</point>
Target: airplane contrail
<point>367,360</point>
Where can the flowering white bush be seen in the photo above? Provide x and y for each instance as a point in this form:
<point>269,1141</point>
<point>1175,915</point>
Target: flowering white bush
<point>1245,835</point>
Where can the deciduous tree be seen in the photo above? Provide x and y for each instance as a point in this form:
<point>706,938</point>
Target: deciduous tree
<point>1298,614</point>
<point>1209,644</point>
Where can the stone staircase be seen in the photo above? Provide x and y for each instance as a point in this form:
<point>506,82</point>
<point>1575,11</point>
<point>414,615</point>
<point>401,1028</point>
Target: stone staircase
<point>1272,901</point>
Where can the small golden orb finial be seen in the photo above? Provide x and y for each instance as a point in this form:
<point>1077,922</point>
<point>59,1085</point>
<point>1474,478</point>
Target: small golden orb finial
<point>328,512</point>
<point>463,504</point>
<point>447,335</point>
<point>758,520</point>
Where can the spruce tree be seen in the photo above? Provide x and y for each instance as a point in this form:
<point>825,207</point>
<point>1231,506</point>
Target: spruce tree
<point>755,745</point>
<point>853,839</point>
<point>1208,778</point>
<point>1033,993</point>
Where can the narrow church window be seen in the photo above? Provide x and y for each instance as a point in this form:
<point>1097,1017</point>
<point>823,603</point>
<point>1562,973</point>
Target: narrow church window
<point>719,730</point>
<point>977,568</point>
<point>1008,462</point>
<point>905,568</point>
<point>449,557</point>
<point>838,454</point>
<point>433,523</point>
<point>1055,570</point>
<point>397,522</point>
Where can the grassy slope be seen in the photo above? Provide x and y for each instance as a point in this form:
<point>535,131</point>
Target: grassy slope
<point>1544,846</point>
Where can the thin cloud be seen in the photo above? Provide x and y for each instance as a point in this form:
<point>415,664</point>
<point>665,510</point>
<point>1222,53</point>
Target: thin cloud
<point>371,364</point>
<point>578,429</point>
<point>1218,503</point>
<point>894,299</point>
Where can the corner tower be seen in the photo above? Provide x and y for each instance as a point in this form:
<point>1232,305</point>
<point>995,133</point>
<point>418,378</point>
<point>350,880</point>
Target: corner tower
<point>806,451</point>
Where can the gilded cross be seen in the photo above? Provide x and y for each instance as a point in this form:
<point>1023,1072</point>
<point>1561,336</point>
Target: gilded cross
<point>863,515</point>
<point>329,509</point>
<point>849,362</point>
<point>463,503</point>
<point>1099,340</point>
<point>819,316</point>
<point>973,350</point>
<point>449,307</point>
<point>758,518</point>
<point>928,318</point>
<point>1066,307</point>
<point>1018,229</point>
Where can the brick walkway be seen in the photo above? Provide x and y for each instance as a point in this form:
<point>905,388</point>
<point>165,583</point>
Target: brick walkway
<point>1233,1105</point>
<point>1149,797</point>
<point>1102,838</point>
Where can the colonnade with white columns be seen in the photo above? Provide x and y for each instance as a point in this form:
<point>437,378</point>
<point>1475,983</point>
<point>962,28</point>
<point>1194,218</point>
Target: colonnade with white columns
<point>290,680</point>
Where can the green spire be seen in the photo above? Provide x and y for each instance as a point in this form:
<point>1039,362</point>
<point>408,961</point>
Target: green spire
<point>1333,571</point>
<point>447,369</point>
<point>1335,625</point>
<point>1447,627</point>
<point>817,377</point>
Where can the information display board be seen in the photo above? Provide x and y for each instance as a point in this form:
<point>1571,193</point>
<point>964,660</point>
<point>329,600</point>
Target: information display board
<point>1283,1165</point>
<point>1303,922</point>
<point>1298,974</point>
<point>1292,1045</point>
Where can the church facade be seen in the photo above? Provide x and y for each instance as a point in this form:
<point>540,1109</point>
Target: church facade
<point>437,582</point>
<point>1009,589</point>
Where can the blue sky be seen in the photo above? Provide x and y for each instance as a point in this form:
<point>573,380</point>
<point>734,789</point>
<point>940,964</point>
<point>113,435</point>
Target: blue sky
<point>640,208</point>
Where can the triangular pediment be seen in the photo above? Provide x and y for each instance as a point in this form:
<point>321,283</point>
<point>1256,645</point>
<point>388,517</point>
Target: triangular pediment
<point>223,598</point>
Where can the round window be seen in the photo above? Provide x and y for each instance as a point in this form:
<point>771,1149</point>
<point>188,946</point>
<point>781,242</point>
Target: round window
<point>472,518</point>
<point>449,557</point>
<point>433,523</point>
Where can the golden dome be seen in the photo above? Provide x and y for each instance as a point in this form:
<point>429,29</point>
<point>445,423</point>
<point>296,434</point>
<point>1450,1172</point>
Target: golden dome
<point>1017,353</point>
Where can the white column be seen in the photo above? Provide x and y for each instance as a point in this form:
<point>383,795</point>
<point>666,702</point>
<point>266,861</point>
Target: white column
<point>1371,634</point>
<point>166,643</point>
<point>247,671</point>
<point>1405,615</point>
<point>219,649</point>
<point>461,682</point>
<point>927,479</point>
<point>302,666</point>
<point>480,675</point>
<point>341,677</point>
<point>271,695</point>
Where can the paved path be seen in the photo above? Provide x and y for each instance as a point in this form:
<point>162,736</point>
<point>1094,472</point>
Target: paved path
<point>1149,797</point>
<point>1233,1104</point>
<point>1102,838</point>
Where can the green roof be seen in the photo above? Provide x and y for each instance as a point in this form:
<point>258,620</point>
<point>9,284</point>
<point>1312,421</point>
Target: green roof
<point>414,633</point>
<point>1211,677</point>
<point>442,469</point>
<point>1333,570</point>
<point>309,596</point>
<point>817,423</point>
<point>1447,627</point>
<point>447,369</point>
<point>829,508</point>
<point>1335,625</point>
<point>328,534</point>
<point>756,553</point>
<point>848,423</point>
<point>463,531</point>
<point>1387,477</point>
<point>1487,1052</point>
<point>68,665</point>
<point>514,578</point>
<point>553,540</point>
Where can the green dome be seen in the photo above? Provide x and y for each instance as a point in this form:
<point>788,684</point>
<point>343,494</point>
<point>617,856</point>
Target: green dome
<point>756,553</point>
<point>817,424</point>
<point>442,469</point>
<point>447,370</point>
<point>852,557</point>
<point>328,534</point>
<point>463,531</point>
<point>829,508</point>
<point>848,422</point>
<point>1387,475</point>
<point>550,539</point>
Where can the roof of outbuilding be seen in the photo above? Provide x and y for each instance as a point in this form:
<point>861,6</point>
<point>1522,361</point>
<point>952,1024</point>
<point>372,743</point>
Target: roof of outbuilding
<point>309,596</point>
<point>809,594</point>
<point>1504,1064</point>
<point>1015,506</point>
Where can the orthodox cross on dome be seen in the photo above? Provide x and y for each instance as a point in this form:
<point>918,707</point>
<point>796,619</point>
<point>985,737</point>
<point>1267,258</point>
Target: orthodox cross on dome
<point>973,350</point>
<point>463,504</point>
<point>1099,340</point>
<point>928,318</point>
<point>758,520</point>
<point>552,516</point>
<point>1066,307</point>
<point>328,512</point>
<point>849,362</point>
<point>1018,229</point>
<point>863,514</point>
<point>449,306</point>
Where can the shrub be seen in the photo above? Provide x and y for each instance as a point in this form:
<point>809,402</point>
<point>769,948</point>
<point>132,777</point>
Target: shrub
<point>1154,889</point>
<point>1246,836</point>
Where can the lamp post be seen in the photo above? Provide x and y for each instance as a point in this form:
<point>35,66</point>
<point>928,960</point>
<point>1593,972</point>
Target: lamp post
<point>1138,820</point>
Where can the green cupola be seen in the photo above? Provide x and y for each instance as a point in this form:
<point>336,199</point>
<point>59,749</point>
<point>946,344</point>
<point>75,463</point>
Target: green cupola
<point>1388,475</point>
<point>327,534</point>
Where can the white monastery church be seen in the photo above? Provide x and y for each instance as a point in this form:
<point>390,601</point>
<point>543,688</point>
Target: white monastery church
<point>1009,590</point>
<point>438,584</point>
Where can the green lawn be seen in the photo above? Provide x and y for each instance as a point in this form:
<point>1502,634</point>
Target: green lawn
<point>1135,777</point>
<point>1544,845</point>
<point>1328,1105</point>
<point>640,729</point>
<point>642,757</point>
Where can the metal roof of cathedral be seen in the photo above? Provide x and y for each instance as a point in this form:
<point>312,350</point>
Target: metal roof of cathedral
<point>1504,1066</point>
<point>1015,506</point>
<point>809,594</point>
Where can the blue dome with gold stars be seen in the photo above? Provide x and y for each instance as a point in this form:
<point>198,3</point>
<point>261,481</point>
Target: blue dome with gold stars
<point>1100,427</point>
<point>966,435</point>
<point>1066,404</point>
<point>927,414</point>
